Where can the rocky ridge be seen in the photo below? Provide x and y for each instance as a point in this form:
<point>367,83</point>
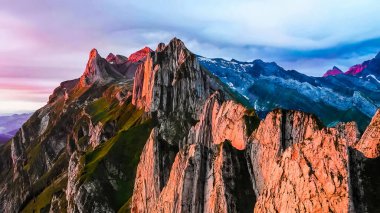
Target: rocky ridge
<point>186,145</point>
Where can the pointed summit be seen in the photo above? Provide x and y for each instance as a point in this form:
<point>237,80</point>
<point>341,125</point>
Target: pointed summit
<point>333,72</point>
<point>356,69</point>
<point>176,44</point>
<point>93,53</point>
<point>116,59</point>
<point>111,58</point>
<point>90,73</point>
<point>97,70</point>
<point>139,55</point>
<point>160,47</point>
<point>177,41</point>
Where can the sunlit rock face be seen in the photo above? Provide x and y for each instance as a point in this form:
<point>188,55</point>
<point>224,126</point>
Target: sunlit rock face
<point>140,55</point>
<point>369,144</point>
<point>96,70</point>
<point>333,72</point>
<point>356,69</point>
<point>220,121</point>
<point>300,166</point>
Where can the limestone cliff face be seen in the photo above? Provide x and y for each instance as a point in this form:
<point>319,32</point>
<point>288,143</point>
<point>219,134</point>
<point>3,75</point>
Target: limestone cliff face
<point>299,166</point>
<point>156,132</point>
<point>220,121</point>
<point>172,86</point>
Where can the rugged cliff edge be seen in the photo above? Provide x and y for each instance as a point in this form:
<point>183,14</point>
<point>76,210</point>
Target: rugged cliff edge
<point>156,132</point>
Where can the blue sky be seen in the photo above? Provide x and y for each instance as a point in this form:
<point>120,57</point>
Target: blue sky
<point>45,42</point>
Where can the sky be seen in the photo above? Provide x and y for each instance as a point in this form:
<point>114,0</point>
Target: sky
<point>43,43</point>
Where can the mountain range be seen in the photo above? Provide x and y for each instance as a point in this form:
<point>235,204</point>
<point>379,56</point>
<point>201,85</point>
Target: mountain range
<point>335,97</point>
<point>166,130</point>
<point>10,124</point>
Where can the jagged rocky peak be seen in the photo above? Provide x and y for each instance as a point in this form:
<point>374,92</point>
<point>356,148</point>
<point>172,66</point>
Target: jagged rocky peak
<point>94,69</point>
<point>63,90</point>
<point>170,80</point>
<point>356,69</point>
<point>139,55</point>
<point>111,57</point>
<point>333,72</point>
<point>171,84</point>
<point>116,59</point>
<point>98,70</point>
<point>160,47</point>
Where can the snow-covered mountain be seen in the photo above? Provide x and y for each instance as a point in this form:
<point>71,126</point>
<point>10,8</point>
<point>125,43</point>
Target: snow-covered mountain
<point>353,95</point>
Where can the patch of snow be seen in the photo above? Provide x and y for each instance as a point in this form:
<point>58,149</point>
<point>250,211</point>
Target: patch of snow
<point>374,77</point>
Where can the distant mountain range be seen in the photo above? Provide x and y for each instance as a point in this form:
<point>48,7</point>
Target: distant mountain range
<point>350,96</point>
<point>10,124</point>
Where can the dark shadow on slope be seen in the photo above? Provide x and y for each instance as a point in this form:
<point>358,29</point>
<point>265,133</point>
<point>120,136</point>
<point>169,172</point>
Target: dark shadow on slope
<point>364,182</point>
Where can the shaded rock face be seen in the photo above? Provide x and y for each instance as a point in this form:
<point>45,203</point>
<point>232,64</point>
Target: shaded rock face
<point>364,173</point>
<point>174,139</point>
